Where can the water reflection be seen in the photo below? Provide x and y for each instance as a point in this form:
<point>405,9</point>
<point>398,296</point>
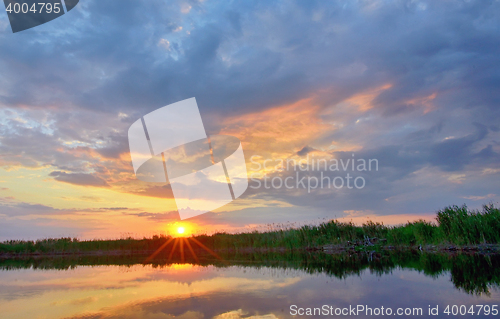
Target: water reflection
<point>241,286</point>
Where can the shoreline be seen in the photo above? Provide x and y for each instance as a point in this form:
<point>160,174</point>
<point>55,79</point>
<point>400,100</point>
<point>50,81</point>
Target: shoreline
<point>457,229</point>
<point>483,249</point>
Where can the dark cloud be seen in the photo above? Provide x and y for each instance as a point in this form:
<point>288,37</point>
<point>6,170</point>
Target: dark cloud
<point>159,191</point>
<point>114,61</point>
<point>79,81</point>
<point>12,209</point>
<point>172,215</point>
<point>454,153</point>
<point>305,150</point>
<point>79,179</point>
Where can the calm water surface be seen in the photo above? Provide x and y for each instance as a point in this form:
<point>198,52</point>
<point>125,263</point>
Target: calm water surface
<point>248,290</point>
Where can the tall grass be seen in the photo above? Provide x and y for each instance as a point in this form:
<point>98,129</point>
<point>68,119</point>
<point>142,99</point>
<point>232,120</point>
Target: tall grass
<point>73,245</point>
<point>466,227</point>
<point>454,225</point>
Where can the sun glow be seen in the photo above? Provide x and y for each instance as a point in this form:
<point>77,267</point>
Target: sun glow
<point>181,229</point>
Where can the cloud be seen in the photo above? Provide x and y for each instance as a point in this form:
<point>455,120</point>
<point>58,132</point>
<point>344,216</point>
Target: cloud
<point>482,198</point>
<point>453,153</point>
<point>167,216</point>
<point>414,87</point>
<point>83,301</point>
<point>163,191</point>
<point>79,179</point>
<point>12,208</point>
<point>305,150</point>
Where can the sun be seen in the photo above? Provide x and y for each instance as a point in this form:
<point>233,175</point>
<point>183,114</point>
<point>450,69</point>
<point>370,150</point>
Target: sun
<point>180,229</point>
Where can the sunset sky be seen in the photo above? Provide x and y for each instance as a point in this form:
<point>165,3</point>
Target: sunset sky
<point>413,84</point>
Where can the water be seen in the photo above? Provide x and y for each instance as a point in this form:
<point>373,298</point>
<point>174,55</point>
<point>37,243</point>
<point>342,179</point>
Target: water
<point>245,286</point>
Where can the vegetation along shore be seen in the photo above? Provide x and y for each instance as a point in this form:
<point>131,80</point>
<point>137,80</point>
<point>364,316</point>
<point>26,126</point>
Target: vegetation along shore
<point>456,228</point>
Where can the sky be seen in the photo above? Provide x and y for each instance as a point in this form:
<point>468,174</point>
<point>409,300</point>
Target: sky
<point>410,84</point>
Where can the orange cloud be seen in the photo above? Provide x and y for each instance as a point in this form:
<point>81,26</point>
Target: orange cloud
<point>364,100</point>
<point>423,101</point>
<point>281,130</point>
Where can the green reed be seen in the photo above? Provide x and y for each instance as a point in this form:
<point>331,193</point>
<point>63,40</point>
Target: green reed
<point>454,225</point>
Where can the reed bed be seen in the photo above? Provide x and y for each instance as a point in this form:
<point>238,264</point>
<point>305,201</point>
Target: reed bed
<point>456,225</point>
